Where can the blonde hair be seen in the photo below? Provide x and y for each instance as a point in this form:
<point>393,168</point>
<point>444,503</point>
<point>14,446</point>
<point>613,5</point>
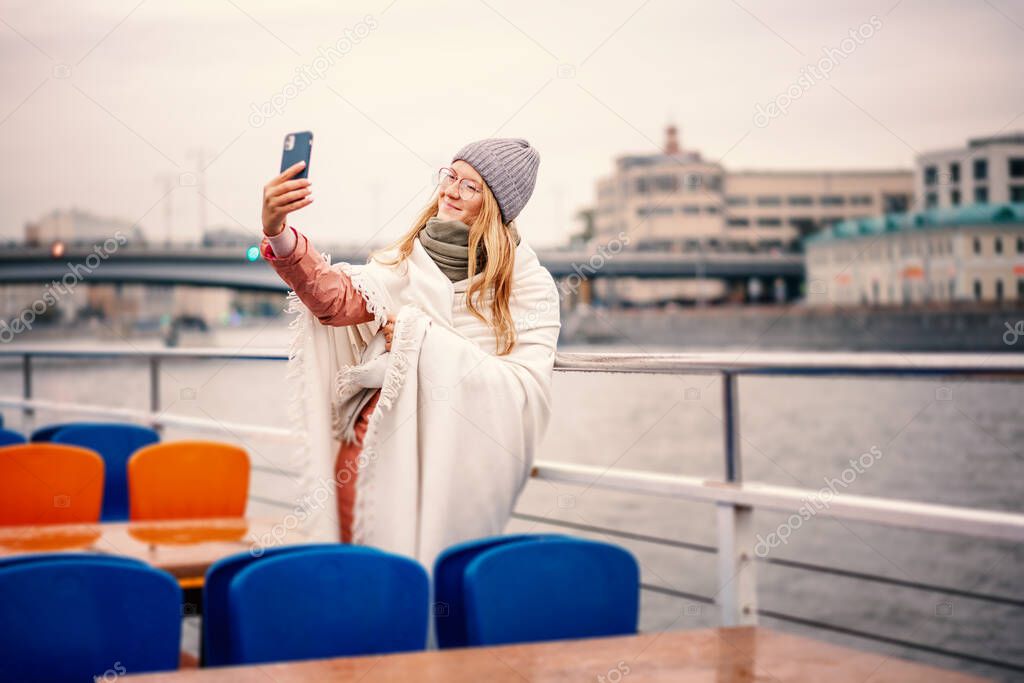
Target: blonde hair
<point>497,241</point>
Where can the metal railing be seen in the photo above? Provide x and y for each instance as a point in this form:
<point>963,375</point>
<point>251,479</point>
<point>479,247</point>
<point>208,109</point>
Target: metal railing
<point>735,499</point>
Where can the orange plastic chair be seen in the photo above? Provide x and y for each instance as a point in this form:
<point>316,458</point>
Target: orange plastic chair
<point>45,483</point>
<point>188,480</point>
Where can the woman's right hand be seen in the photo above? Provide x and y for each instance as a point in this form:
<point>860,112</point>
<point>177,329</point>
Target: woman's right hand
<point>281,196</point>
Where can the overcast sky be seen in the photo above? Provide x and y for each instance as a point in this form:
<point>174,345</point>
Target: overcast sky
<point>101,105</point>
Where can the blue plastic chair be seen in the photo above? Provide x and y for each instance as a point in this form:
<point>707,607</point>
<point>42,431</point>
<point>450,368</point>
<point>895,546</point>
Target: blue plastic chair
<point>449,606</point>
<point>216,639</point>
<point>551,590</point>
<point>331,602</point>
<point>75,618</point>
<point>47,432</point>
<point>56,557</point>
<point>10,438</point>
<point>116,442</point>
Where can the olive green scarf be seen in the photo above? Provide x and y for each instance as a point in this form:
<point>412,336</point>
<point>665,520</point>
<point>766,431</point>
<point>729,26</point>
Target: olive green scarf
<point>447,242</point>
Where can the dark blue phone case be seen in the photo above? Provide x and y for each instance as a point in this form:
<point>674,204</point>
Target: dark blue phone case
<point>300,151</point>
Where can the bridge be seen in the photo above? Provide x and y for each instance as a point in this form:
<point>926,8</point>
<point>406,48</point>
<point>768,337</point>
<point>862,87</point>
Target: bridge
<point>232,267</point>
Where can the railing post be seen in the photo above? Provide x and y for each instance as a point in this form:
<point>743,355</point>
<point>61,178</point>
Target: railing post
<point>154,390</point>
<point>737,578</point>
<point>28,413</point>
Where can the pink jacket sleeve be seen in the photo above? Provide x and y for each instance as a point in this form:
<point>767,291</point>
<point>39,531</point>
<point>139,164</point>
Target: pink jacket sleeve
<point>329,294</point>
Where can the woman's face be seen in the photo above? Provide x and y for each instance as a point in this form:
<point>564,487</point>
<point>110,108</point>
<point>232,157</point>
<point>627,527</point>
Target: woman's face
<point>451,206</point>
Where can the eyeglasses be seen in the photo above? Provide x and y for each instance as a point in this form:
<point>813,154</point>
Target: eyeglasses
<point>467,188</point>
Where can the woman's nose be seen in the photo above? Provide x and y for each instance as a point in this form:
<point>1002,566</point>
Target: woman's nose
<point>452,190</point>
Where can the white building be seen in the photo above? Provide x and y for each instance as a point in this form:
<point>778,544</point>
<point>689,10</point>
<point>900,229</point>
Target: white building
<point>973,253</point>
<point>989,170</point>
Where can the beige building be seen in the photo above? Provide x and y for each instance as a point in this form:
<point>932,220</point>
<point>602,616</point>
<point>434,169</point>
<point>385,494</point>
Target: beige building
<point>677,201</point>
<point>989,170</point>
<point>973,253</point>
<point>78,227</point>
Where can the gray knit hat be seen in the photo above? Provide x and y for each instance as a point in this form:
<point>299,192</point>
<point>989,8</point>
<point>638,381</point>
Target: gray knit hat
<point>508,166</point>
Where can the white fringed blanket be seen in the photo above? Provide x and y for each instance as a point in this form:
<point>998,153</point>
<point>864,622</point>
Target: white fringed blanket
<point>452,439</point>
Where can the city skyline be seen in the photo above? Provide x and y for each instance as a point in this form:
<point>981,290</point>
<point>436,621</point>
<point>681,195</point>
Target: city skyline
<point>93,122</point>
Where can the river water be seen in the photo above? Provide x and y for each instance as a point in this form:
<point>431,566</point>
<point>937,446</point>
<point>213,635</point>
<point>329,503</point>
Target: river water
<point>957,443</point>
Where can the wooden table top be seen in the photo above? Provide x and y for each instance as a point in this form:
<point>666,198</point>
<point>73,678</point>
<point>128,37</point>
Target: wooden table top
<point>723,655</point>
<point>185,548</point>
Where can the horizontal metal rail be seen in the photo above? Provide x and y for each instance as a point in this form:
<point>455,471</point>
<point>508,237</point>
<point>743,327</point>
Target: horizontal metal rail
<point>618,533</point>
<point>977,365</point>
<point>884,511</point>
<point>782,562</point>
<point>888,640</point>
<point>154,419</point>
<point>844,630</point>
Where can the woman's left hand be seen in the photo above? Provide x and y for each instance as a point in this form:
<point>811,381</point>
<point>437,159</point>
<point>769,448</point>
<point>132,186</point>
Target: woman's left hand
<point>389,331</point>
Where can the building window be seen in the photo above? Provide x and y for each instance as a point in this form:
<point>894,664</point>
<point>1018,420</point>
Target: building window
<point>833,200</point>
<point>999,290</point>
<point>654,245</point>
<point>895,203</point>
<point>981,195</point>
<point>977,245</point>
<point>666,183</point>
<point>769,200</point>
<point>643,211</point>
<point>642,186</point>
<point>998,245</point>
<point>954,197</point>
<point>981,169</point>
<point>736,200</point>
<point>860,200</point>
<point>1020,245</point>
<point>931,200</point>
<point>1017,193</point>
<point>803,225</point>
<point>769,222</point>
<point>711,209</point>
<point>1020,288</point>
<point>954,172</point>
<point>1016,167</point>
<point>691,209</point>
<point>800,200</point>
<point>737,222</point>
<point>977,290</point>
<point>929,175</point>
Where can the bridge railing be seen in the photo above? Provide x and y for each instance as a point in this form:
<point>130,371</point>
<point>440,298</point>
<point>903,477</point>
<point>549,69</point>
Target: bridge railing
<point>735,499</point>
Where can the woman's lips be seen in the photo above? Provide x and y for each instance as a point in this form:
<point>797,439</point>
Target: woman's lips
<point>451,206</point>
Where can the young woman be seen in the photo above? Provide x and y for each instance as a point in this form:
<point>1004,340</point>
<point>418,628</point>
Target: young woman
<point>421,380</point>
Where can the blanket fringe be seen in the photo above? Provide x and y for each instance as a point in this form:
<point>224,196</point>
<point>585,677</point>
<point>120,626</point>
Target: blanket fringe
<point>299,397</point>
<point>299,394</point>
<point>374,299</point>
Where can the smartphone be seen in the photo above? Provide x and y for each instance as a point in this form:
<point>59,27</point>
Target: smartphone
<point>297,147</point>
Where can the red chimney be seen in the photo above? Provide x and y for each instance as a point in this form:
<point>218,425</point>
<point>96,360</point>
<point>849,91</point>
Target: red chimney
<point>671,140</point>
